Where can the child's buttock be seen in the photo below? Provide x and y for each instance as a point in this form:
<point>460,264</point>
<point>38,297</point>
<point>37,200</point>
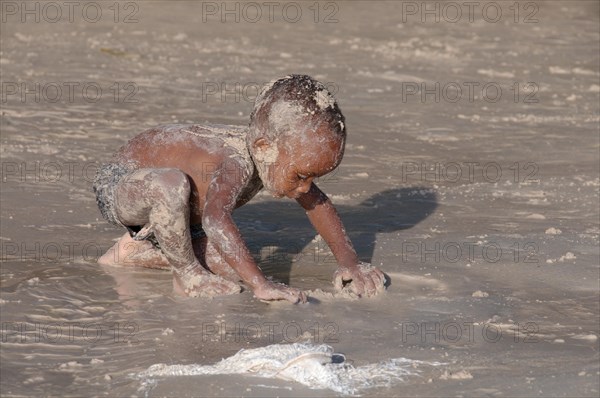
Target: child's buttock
<point>105,182</point>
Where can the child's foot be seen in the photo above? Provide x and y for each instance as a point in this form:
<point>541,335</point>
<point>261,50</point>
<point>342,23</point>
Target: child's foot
<point>203,284</point>
<point>279,291</point>
<point>131,253</point>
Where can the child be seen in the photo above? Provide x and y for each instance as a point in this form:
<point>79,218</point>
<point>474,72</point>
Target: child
<point>174,188</point>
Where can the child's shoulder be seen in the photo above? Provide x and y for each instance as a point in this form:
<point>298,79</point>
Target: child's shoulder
<point>207,130</point>
<point>232,137</point>
<point>229,134</point>
<point>211,138</point>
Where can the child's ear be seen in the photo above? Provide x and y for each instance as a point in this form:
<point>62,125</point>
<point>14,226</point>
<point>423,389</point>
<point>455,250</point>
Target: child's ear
<point>261,143</point>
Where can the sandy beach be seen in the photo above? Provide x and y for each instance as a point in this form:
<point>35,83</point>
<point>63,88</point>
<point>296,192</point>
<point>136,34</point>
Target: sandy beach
<point>471,177</point>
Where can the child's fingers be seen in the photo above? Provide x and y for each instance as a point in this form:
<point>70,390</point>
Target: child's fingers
<point>302,297</point>
<point>357,288</point>
<point>373,282</point>
<point>342,276</point>
<point>338,280</point>
<point>292,295</point>
<point>380,283</point>
<point>296,296</point>
<point>364,285</point>
<point>378,279</point>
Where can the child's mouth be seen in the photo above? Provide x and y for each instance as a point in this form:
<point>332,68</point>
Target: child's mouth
<point>293,195</point>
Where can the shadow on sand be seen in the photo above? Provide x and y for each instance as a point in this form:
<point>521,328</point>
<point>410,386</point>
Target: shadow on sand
<point>278,232</point>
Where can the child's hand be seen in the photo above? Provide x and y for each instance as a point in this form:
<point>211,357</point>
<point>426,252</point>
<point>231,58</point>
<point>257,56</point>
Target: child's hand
<point>364,279</point>
<point>278,291</point>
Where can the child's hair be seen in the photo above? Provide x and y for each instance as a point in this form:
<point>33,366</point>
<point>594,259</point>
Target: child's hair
<point>282,104</point>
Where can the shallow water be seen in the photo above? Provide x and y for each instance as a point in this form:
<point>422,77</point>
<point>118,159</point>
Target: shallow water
<point>484,214</point>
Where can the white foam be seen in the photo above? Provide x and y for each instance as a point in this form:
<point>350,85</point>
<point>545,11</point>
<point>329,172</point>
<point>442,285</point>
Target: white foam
<point>308,364</point>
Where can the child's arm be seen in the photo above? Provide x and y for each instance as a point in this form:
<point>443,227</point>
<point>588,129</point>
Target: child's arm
<point>365,280</point>
<point>220,229</point>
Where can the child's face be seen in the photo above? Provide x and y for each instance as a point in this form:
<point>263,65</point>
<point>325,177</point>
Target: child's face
<point>288,167</point>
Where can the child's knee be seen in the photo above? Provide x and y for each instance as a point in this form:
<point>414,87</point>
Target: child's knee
<point>173,187</point>
<point>173,178</point>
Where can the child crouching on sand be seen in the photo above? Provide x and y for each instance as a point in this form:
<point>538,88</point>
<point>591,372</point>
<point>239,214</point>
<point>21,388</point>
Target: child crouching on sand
<point>177,211</point>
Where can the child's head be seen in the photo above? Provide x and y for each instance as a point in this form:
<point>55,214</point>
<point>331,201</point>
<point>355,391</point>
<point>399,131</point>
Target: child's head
<point>296,133</point>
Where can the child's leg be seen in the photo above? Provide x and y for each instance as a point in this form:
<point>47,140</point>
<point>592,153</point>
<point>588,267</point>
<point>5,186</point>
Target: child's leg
<point>160,198</point>
<point>134,253</point>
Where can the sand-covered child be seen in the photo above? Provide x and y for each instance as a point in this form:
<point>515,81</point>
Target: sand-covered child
<point>175,187</point>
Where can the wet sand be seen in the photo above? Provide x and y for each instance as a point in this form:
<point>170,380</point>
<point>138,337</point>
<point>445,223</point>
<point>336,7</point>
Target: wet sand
<point>483,211</point>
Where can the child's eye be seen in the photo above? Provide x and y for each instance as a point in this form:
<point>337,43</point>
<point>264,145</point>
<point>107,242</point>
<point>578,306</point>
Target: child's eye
<point>300,176</point>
